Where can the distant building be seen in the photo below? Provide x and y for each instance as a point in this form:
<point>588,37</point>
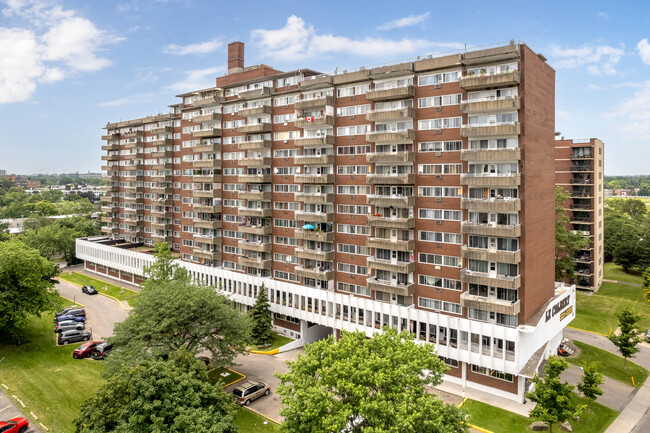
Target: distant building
<point>90,175</point>
<point>33,184</point>
<point>579,168</point>
<point>3,172</point>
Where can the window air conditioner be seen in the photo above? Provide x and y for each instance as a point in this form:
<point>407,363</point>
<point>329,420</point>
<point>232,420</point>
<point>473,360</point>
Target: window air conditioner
<point>437,86</point>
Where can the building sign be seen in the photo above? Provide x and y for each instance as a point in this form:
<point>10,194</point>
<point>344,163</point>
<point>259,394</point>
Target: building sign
<point>551,312</point>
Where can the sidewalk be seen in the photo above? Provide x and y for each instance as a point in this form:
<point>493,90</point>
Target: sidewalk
<point>633,412</point>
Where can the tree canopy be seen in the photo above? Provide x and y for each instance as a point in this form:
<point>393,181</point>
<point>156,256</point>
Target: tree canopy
<point>590,382</point>
<point>177,314</point>
<point>361,384</point>
<point>164,267</point>
<point>261,319</point>
<point>627,234</point>
<point>567,243</point>
<point>26,286</point>
<point>162,396</point>
<point>627,338</point>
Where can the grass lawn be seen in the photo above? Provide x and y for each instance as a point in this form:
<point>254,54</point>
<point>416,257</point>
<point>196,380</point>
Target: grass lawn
<point>250,422</point>
<point>215,376</point>
<point>499,420</point>
<point>597,312</point>
<point>83,280</point>
<point>278,341</point>
<point>46,377</point>
<point>612,271</point>
<point>610,365</point>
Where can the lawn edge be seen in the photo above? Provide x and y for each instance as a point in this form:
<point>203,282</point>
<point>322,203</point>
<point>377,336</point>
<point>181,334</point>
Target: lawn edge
<point>104,294</point>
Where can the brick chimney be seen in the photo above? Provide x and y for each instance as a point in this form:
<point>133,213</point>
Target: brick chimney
<point>235,57</point>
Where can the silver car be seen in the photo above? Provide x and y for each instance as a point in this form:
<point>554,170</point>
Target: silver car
<point>249,391</point>
<point>69,325</point>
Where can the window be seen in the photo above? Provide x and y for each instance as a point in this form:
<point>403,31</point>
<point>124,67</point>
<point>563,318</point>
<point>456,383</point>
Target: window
<point>353,288</point>
<point>435,304</point>
<point>436,259</point>
<point>439,101</point>
<point>492,373</point>
<point>439,191</point>
<point>352,269</point>
<point>441,123</point>
<point>352,110</point>
<point>352,90</point>
<point>441,283</point>
<point>440,214</point>
<point>440,169</point>
<point>440,237</point>
<point>352,130</point>
<point>440,146</point>
<point>353,229</point>
<point>431,79</point>
<point>353,150</point>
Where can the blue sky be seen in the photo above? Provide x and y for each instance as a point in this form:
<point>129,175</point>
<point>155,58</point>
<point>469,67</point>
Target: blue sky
<point>68,67</point>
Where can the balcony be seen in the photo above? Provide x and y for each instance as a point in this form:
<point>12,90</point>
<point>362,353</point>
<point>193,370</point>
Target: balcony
<point>255,178</point>
<point>133,134</point>
<point>314,178</point>
<point>513,128</point>
<point>110,157</point>
<point>316,122</point>
<point>209,132</point>
<point>255,230</point>
<point>257,93</point>
<point>490,304</point>
<point>133,144</point>
<point>496,205</point>
<point>390,179</point>
<point>490,279</point>
<point>209,240</point>
<point>111,168</point>
<point>580,168</point>
<point>114,200</point>
<point>207,147</point>
<point>581,156</point>
<point>208,100</point>
<point>390,200</point>
<point>495,230</point>
<point>323,256</point>
<point>108,219</point>
<point>207,224</point>
<point>307,197</point>
<point>389,244</point>
<point>512,154</point>
<point>255,212</point>
<point>255,111</point>
<point>390,137</point>
<point>491,105</point>
<point>110,209</point>
<point>161,237</point>
<point>111,188</point>
<point>491,255</point>
<point>391,223</point>
<point>306,104</point>
<point>390,287</point>
<point>254,263</point>
<point>478,82</point>
<point>137,189</point>
<point>162,142</point>
<point>254,162</point>
<point>109,147</point>
<point>161,154</point>
<point>491,179</point>
<point>318,217</point>
<point>206,163</point>
<point>311,235</point>
<point>110,230</point>
<point>202,193</point>
<point>390,157</point>
<point>315,273</point>
<point>212,117</point>
<point>261,247</point>
<point>391,265</point>
<point>255,195</point>
<point>404,92</point>
<point>162,166</point>
<point>323,140</point>
<point>207,178</point>
<point>206,254</point>
<point>114,136</point>
<point>255,128</point>
<point>314,159</point>
<point>202,208</point>
<point>388,115</point>
<point>162,177</point>
<point>255,144</point>
<point>162,226</point>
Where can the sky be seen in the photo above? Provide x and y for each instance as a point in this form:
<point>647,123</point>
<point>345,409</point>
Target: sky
<point>69,67</point>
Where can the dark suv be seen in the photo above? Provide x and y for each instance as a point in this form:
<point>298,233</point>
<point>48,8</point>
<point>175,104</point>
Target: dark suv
<point>101,350</point>
<point>249,391</point>
<point>68,337</point>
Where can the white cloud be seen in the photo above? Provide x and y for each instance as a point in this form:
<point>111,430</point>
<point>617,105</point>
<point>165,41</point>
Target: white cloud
<point>131,99</point>
<point>197,79</point>
<point>297,40</point>
<point>53,44</point>
<point>603,15</point>
<point>410,20</point>
<point>597,60</point>
<point>595,87</point>
<point>644,51</point>
<point>199,48</point>
<point>633,115</point>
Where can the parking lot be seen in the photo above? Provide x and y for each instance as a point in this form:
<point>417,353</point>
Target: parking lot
<point>8,409</point>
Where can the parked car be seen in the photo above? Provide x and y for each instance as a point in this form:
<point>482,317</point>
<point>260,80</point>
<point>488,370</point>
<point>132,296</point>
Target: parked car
<point>647,336</point>
<point>85,349</point>
<point>14,425</point>
<point>76,312</point>
<point>69,325</point>
<point>89,290</point>
<point>68,337</point>
<point>64,311</point>
<point>67,317</point>
<point>101,350</point>
<point>249,391</point>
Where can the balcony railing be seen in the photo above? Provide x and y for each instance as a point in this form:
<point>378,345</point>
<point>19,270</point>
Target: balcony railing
<point>319,217</point>
<point>388,115</point>
<point>491,105</point>
<point>490,304</point>
<point>262,247</point>
<point>255,178</point>
<point>490,129</point>
<point>255,230</point>
<point>212,117</point>
<point>509,154</point>
<point>205,239</point>
<point>391,265</point>
<point>315,122</point>
<point>209,132</point>
<point>315,273</point>
<point>314,178</point>
<point>392,223</point>
<point>491,255</point>
<point>403,92</point>
<point>254,262</point>
<point>390,200</point>
<point>254,144</point>
<point>391,179</point>
<point>405,156</point>
<point>254,195</point>
<point>207,224</point>
<point>317,236</point>
<point>254,111</point>
<point>305,104</point>
<point>308,197</point>
<point>254,162</point>
<point>323,140</point>
<point>255,212</point>
<point>319,255</point>
<point>390,244</point>
<point>491,179</point>
<point>390,287</point>
<point>314,159</point>
<point>496,230</point>
<point>477,82</point>
<point>403,136</point>
<point>256,128</point>
<point>490,279</point>
<point>498,205</point>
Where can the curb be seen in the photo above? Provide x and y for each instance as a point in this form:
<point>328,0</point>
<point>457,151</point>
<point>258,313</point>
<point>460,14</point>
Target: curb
<point>104,294</point>
<point>261,352</point>
<point>585,330</point>
<point>243,376</point>
<point>460,405</point>
<point>265,416</point>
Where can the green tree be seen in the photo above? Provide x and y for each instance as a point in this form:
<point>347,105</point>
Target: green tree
<point>51,195</point>
<point>26,286</point>
<point>567,243</point>
<point>177,314</point>
<point>591,379</point>
<point>646,284</point>
<point>261,319</point>
<point>4,232</point>
<point>553,397</point>
<point>616,184</point>
<point>44,208</point>
<point>632,207</point>
<point>644,190</point>
<point>36,222</point>
<point>164,267</point>
<point>628,337</point>
<point>365,384</point>
<point>172,396</point>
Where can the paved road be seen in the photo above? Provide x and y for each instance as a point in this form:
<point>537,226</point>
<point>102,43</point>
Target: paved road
<point>8,409</point>
<point>642,357</point>
<point>615,394</point>
<point>102,312</point>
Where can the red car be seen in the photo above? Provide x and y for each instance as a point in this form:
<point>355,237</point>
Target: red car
<point>85,349</point>
<point>14,425</point>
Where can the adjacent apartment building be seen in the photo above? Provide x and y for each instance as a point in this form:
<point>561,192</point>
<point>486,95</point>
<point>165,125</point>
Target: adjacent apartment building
<point>579,169</point>
<point>417,195</point>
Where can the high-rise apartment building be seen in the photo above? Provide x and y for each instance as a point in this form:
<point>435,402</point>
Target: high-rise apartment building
<point>579,170</point>
<point>417,195</point>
